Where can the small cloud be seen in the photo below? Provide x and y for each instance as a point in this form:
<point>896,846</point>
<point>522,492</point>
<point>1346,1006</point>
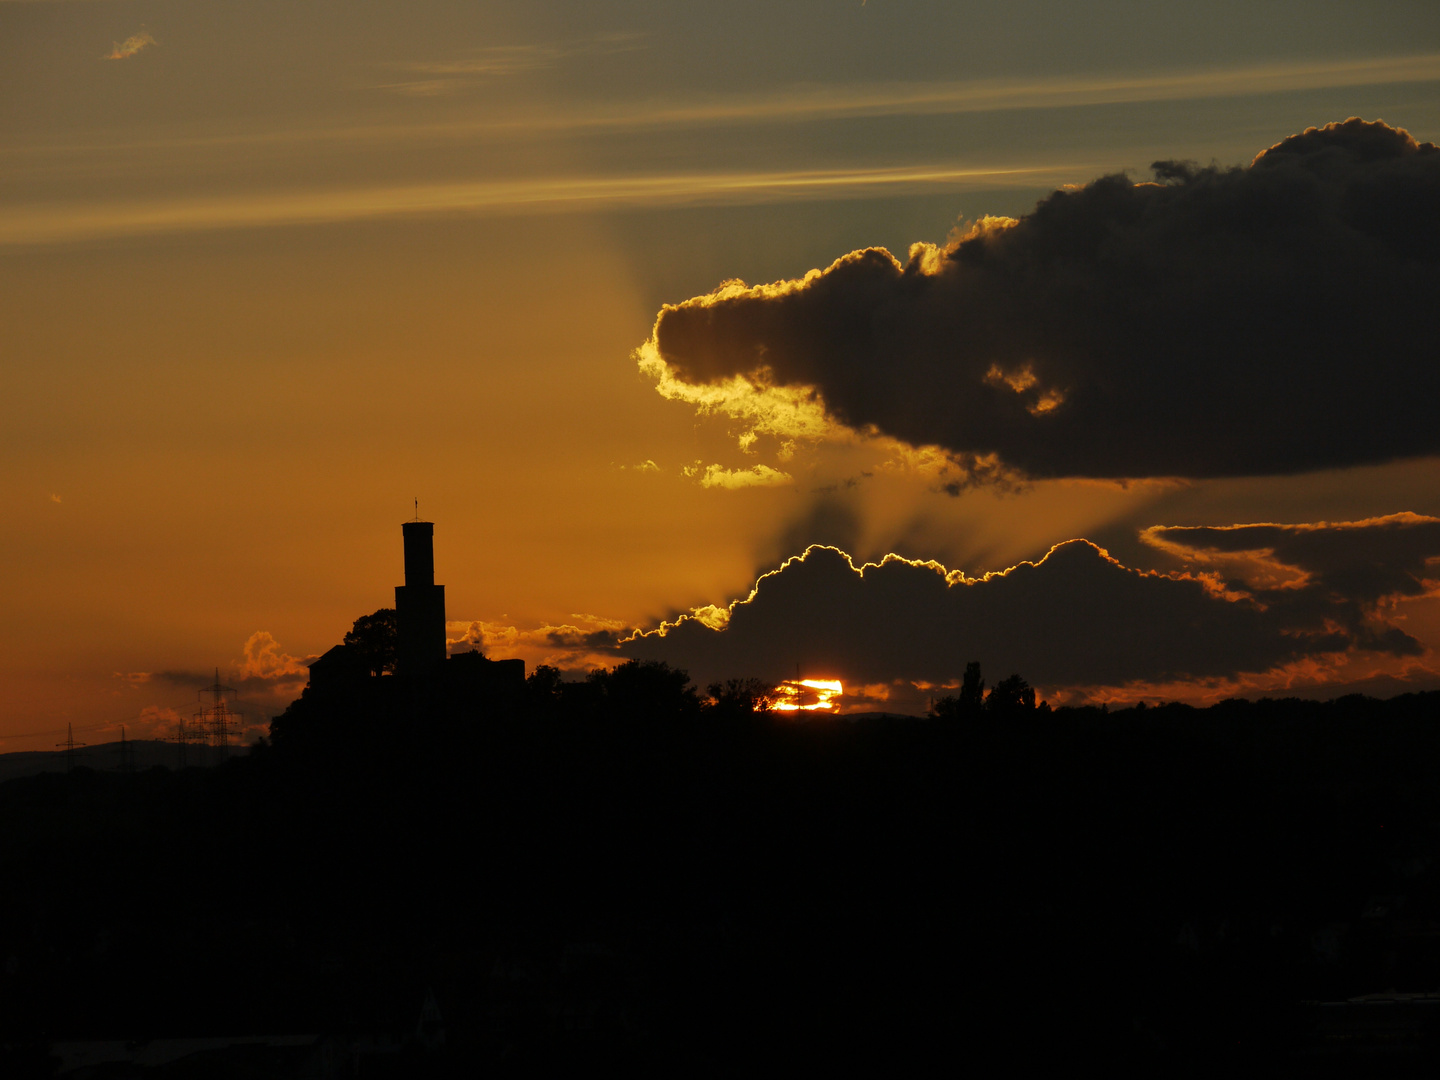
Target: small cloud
<point>54,498</point>
<point>123,50</point>
<point>755,476</point>
<point>265,661</point>
<point>182,678</point>
<point>154,722</point>
<point>712,615</point>
<point>135,679</point>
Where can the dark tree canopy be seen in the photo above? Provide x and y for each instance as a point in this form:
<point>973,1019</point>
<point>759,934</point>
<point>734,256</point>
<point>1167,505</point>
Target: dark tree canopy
<point>373,638</point>
<point>972,689</point>
<point>740,697</point>
<point>644,690</point>
<point>1011,697</point>
<point>543,684</point>
<point>969,702</point>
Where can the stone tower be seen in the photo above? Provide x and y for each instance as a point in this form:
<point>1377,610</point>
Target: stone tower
<point>419,606</point>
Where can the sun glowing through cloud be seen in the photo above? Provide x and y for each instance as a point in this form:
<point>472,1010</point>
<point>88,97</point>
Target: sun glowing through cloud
<point>808,695</point>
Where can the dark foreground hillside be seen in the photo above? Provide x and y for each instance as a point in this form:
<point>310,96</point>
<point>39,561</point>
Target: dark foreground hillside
<point>618,878</point>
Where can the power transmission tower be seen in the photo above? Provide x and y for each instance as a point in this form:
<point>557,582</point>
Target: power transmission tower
<point>69,744</point>
<point>127,753</point>
<point>217,723</point>
<point>179,740</point>
<point>185,734</point>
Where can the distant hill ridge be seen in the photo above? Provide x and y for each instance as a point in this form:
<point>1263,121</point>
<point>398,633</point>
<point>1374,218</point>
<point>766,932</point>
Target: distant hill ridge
<point>105,757</point>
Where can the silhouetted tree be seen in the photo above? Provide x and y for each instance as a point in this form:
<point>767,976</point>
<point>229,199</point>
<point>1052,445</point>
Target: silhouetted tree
<point>740,697</point>
<point>972,689</point>
<point>945,708</point>
<point>542,686</point>
<point>645,690</point>
<point>1011,697</point>
<point>373,638</point>
<point>970,701</point>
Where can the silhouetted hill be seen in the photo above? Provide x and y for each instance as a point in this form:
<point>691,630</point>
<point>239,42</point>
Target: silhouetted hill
<point>147,754</point>
<point>612,874</point>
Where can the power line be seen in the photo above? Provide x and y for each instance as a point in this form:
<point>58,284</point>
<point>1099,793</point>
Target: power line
<point>53,731</point>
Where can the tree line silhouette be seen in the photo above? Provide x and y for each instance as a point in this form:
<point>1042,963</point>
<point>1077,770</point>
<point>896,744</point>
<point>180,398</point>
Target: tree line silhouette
<point>620,871</point>
<point>1011,697</point>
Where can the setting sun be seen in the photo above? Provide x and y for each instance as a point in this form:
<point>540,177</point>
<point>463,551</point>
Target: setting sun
<point>808,695</point>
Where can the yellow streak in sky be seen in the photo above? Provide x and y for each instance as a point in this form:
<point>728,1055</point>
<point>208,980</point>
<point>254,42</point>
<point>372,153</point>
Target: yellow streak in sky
<point>994,95</point>
<point>60,222</point>
<point>829,102</point>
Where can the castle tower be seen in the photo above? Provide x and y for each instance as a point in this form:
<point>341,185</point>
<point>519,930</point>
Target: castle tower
<point>419,606</point>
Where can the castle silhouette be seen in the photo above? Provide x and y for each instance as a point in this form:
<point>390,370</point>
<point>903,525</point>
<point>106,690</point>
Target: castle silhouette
<point>422,668</point>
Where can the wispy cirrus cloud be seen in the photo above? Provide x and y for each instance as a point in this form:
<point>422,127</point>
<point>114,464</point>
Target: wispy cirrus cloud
<point>799,104</point>
<point>434,77</point>
<point>62,223</point>
<point>123,50</point>
<point>1008,94</point>
<point>781,105</point>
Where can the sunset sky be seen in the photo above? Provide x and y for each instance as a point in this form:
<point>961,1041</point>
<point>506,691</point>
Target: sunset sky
<point>272,271</point>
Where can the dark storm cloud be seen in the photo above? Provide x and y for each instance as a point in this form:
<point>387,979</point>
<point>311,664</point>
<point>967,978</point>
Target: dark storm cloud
<point>1273,318</point>
<point>184,678</point>
<point>826,521</point>
<point>570,637</point>
<point>1075,618</point>
<point>1346,572</point>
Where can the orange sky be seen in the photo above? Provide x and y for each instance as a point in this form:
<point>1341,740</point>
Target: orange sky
<point>267,275</point>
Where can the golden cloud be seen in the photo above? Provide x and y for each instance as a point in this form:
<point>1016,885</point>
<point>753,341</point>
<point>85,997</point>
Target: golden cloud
<point>585,643</point>
<point>788,412</point>
<point>755,476</point>
<point>123,50</point>
<point>265,660</point>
